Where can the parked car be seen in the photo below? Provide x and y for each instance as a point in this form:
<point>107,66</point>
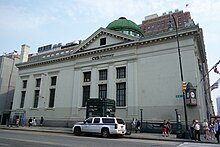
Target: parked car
<point>105,126</point>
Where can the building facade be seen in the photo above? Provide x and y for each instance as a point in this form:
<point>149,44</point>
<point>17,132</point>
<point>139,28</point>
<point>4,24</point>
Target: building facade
<point>8,74</point>
<point>117,62</point>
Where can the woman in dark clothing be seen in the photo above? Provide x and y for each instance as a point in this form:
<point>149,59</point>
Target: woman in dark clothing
<point>30,122</point>
<point>192,128</point>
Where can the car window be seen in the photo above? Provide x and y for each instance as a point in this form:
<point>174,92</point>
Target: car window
<point>120,121</point>
<point>89,120</point>
<point>108,120</point>
<point>96,120</point>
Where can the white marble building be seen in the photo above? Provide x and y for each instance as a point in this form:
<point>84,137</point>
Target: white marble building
<point>116,62</point>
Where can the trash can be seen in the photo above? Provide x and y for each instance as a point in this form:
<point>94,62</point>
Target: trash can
<point>179,134</point>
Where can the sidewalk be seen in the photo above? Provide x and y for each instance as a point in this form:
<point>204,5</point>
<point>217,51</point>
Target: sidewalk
<point>147,136</point>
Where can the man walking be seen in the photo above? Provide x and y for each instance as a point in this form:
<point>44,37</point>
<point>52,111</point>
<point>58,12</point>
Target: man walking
<point>217,129</point>
<point>137,126</point>
<point>197,129</point>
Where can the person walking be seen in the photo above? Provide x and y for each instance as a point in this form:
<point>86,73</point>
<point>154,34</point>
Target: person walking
<point>217,129</point>
<point>211,130</point>
<point>137,126</point>
<point>164,128</point>
<point>22,121</point>
<point>17,121</point>
<point>133,125</point>
<point>34,122</point>
<point>192,128</point>
<point>168,128</point>
<point>197,130</point>
<point>30,122</point>
<point>206,129</point>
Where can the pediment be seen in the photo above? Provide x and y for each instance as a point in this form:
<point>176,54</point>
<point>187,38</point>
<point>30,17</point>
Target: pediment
<point>110,37</point>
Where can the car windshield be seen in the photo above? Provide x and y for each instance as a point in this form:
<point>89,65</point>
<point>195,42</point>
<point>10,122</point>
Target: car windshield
<point>120,121</point>
<point>89,120</point>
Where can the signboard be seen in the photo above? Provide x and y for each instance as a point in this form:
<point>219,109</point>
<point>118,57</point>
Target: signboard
<point>103,57</point>
<point>179,96</point>
<point>100,107</point>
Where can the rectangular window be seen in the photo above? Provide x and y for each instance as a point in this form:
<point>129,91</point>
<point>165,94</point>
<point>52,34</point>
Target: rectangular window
<point>23,93</point>
<point>103,74</point>
<point>108,120</point>
<point>103,91</point>
<point>38,82</point>
<point>53,80</point>
<point>102,41</point>
<point>87,76</point>
<point>24,84</point>
<point>121,94</point>
<point>36,98</point>
<point>52,97</point>
<point>121,72</point>
<point>86,95</point>
<point>96,120</point>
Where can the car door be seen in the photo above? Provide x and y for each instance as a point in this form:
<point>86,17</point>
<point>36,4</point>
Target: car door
<point>86,127</point>
<point>96,127</point>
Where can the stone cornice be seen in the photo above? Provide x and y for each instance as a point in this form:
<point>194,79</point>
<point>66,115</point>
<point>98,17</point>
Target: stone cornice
<point>143,41</point>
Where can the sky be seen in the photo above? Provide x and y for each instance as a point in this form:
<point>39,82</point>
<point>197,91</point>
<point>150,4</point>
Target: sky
<point>42,22</point>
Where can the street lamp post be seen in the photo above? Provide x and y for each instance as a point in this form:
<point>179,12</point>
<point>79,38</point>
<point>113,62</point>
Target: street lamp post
<point>141,119</point>
<point>181,74</point>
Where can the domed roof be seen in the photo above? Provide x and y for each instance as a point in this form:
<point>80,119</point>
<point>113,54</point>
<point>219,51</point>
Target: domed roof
<point>123,24</point>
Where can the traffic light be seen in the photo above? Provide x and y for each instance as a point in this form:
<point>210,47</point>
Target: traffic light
<point>184,86</point>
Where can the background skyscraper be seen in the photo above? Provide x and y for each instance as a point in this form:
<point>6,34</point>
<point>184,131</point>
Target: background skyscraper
<point>218,105</point>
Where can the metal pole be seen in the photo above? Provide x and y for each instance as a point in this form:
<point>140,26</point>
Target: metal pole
<point>181,73</point>
<point>141,115</point>
<point>141,119</point>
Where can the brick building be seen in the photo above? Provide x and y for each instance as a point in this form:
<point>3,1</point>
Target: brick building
<point>157,24</point>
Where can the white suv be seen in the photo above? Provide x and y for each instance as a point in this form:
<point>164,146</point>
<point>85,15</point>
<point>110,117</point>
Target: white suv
<point>100,125</point>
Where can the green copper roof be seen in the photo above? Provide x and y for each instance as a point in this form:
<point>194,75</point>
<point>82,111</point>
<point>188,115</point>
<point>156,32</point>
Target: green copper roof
<point>123,24</point>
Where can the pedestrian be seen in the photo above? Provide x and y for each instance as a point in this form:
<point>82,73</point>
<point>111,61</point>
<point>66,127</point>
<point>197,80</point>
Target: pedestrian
<point>211,130</point>
<point>17,121</point>
<point>34,122</point>
<point>168,128</point>
<point>217,129</point>
<point>206,129</point>
<point>22,121</point>
<point>137,126</point>
<point>197,130</point>
<point>164,128</point>
<point>41,120</point>
<point>192,128</point>
<point>30,122</point>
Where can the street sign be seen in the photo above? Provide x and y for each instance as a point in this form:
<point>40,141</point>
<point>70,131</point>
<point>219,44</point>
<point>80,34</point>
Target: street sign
<point>179,96</point>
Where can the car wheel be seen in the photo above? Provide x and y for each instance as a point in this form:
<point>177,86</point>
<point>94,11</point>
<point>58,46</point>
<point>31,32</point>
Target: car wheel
<point>77,131</point>
<point>105,133</point>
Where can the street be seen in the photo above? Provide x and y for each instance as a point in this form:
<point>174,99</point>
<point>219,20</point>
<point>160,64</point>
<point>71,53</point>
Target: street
<point>13,138</point>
